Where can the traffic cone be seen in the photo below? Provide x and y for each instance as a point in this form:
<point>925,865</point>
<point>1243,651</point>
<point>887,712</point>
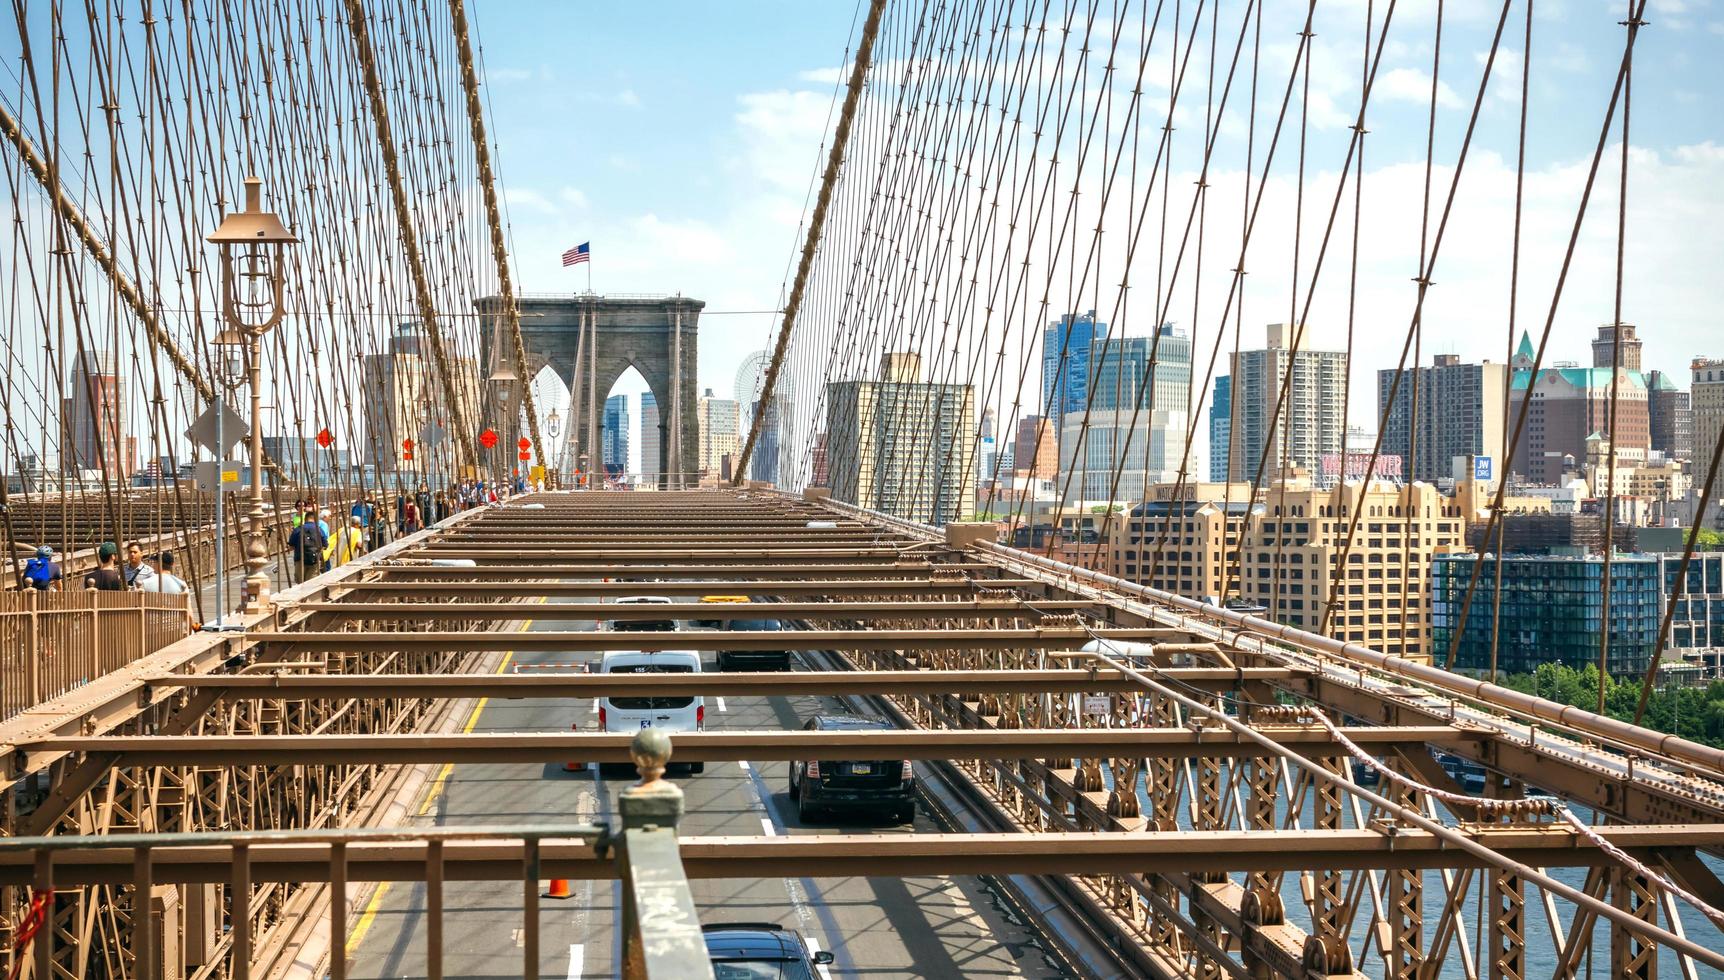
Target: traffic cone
<point>574,767</point>
<point>559,888</point>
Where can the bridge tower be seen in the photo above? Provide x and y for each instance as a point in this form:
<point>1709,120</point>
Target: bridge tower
<point>591,339</point>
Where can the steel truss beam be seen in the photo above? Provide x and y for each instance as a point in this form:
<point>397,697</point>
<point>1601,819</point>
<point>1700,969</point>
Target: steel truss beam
<point>727,746</point>
<point>726,611</point>
<point>591,641</point>
<point>500,588</point>
<point>684,572</point>
<point>296,686</point>
<point>470,855</point>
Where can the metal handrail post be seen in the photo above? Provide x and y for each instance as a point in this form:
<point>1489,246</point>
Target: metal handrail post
<point>661,930</point>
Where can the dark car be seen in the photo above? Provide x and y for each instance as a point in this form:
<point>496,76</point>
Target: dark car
<point>883,786</point>
<point>760,951</point>
<point>777,659</point>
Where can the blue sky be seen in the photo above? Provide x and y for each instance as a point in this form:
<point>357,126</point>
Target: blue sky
<point>680,138</point>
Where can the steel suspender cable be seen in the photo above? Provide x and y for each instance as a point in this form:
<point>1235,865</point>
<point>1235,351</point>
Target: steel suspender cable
<point>816,224</point>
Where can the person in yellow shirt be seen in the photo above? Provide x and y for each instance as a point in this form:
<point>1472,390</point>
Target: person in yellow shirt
<point>346,544</point>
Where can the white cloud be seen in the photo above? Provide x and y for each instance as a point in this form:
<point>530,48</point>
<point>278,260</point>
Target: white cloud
<point>527,199</point>
<point>504,76</point>
<point>628,98</point>
<point>1413,85</point>
<point>825,76</point>
<point>573,197</point>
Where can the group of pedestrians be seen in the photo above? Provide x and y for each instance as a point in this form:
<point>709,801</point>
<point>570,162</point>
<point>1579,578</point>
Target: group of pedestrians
<point>318,542</point>
<point>136,573</point>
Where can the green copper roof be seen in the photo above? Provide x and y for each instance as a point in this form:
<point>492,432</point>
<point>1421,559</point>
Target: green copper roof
<point>1662,382</point>
<point>1595,378</point>
<point>1525,349</point>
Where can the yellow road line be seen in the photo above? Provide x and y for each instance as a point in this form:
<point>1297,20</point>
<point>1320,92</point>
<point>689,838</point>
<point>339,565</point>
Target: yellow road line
<point>369,916</point>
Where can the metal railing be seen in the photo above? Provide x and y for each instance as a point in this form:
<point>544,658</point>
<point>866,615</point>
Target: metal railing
<point>662,938</point>
<point>52,642</point>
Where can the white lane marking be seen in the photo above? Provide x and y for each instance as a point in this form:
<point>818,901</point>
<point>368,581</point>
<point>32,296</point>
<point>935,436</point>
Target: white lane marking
<point>743,763</point>
<point>814,946</point>
<point>722,706</point>
<point>577,960</point>
<point>595,706</point>
<point>792,888</point>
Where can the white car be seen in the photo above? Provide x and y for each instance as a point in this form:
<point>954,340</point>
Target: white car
<point>643,625</point>
<point>626,715</point>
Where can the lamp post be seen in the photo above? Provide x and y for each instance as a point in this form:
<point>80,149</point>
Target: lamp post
<point>553,429</point>
<point>252,243</point>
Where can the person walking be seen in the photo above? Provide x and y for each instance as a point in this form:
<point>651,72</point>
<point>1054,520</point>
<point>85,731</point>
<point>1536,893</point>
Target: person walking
<point>107,577</point>
<point>308,543</point>
<point>349,543</point>
<point>411,521</point>
<point>42,572</point>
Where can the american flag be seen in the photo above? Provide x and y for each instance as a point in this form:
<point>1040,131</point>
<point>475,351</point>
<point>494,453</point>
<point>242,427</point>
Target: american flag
<point>580,253</point>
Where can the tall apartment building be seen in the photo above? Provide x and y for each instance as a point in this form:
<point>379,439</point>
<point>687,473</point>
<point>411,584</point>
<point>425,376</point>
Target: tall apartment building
<point>1291,554</point>
<point>1147,372</point>
<point>1707,392</point>
<point>1669,417</point>
<point>1570,403</point>
<point>719,434</point>
<point>1220,425</point>
<point>651,440</point>
<point>614,437</point>
<point>902,446</point>
<point>1132,430</point>
<point>94,416</point>
<point>1036,449</point>
<point>400,389</point>
<point>1119,453</point>
<point>1180,542</point>
<point>1065,364</point>
<point>1549,609</point>
<point>1460,413</point>
<point>1310,421</point>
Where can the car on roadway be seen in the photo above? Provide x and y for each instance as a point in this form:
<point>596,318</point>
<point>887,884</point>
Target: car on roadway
<point>885,786</point>
<point>774,657</point>
<point>674,713</point>
<point>643,625</point>
<point>760,951</point>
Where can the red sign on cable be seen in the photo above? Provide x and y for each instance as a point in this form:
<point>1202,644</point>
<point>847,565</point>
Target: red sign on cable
<point>488,439</point>
<point>324,439</point>
<point>525,444</point>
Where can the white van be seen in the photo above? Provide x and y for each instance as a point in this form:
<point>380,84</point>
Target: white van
<point>626,715</point>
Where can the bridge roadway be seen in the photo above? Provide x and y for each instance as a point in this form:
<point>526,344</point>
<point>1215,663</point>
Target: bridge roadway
<point>876,927</point>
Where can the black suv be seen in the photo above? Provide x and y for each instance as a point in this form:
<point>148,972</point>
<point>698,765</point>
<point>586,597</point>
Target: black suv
<point>778,659</point>
<point>760,951</point>
<point>884,786</point>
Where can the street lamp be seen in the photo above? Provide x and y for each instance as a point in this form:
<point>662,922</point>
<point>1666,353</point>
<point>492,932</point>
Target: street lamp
<point>252,244</point>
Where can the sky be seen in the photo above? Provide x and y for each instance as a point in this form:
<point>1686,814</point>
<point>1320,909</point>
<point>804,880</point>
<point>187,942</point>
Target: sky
<point>680,139</point>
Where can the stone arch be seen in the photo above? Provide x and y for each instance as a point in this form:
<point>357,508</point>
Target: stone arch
<point>632,331</point>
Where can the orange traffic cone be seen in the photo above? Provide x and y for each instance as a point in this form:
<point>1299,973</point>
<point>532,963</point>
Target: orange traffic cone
<point>575,766</point>
<point>559,888</point>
